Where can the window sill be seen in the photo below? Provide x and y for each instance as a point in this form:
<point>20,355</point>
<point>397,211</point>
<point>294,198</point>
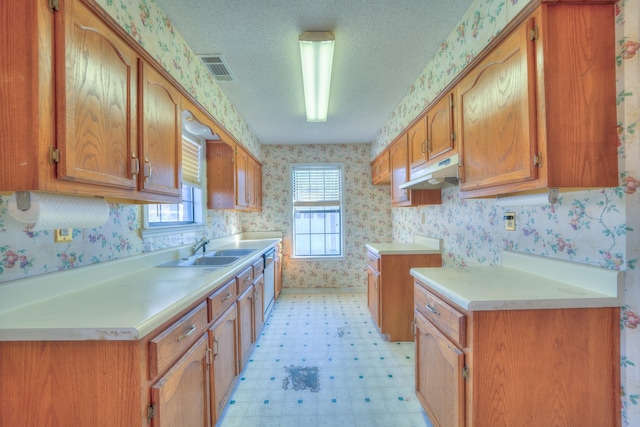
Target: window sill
<point>323,259</point>
<point>171,230</point>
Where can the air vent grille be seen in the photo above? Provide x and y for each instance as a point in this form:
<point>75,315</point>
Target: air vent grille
<point>218,67</point>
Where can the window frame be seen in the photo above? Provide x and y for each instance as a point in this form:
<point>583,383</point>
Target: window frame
<point>199,202</point>
<point>342,210</point>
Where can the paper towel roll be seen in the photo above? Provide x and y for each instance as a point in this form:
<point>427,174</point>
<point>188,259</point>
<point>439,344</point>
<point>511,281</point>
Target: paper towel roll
<point>52,211</point>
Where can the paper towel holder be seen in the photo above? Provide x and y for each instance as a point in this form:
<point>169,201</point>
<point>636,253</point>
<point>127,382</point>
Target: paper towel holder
<point>23,200</point>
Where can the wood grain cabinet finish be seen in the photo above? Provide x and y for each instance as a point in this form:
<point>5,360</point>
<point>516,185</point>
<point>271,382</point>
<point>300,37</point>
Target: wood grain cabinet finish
<point>516,367</point>
<point>223,341</point>
<point>399,160</point>
<point>440,126</point>
<point>390,291</point>
<point>381,169</point>
<point>234,178</point>
<point>73,84</point>
<point>539,111</point>
<point>181,396</point>
<point>160,126</point>
<point>417,135</point>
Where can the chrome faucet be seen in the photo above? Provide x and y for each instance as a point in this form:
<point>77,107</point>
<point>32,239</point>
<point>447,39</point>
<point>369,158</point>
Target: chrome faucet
<point>202,243</point>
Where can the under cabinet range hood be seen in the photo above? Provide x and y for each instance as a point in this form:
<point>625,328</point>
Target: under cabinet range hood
<point>437,175</point>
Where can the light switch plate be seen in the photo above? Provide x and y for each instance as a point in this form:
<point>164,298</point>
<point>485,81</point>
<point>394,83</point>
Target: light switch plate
<point>63,235</point>
<point>510,221</point>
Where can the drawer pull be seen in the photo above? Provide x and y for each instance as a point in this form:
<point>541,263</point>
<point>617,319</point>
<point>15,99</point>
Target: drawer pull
<point>189,332</point>
<point>432,309</point>
<point>226,297</point>
<point>246,279</point>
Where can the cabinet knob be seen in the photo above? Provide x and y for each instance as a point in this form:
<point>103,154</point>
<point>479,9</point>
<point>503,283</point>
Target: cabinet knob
<point>135,164</point>
<point>432,309</point>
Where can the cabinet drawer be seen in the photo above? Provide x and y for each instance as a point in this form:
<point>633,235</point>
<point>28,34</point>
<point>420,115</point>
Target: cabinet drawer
<point>171,343</point>
<point>449,320</point>
<point>373,261</point>
<point>221,299</point>
<point>244,280</point>
<point>258,268</point>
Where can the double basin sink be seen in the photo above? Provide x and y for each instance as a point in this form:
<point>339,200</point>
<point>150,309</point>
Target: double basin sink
<point>211,259</point>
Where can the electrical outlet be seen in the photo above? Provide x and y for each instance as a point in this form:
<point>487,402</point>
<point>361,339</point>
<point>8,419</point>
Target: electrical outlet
<point>63,235</point>
<point>510,221</point>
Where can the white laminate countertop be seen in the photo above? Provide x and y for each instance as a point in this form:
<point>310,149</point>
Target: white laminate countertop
<point>526,281</point>
<point>124,299</point>
<point>420,245</point>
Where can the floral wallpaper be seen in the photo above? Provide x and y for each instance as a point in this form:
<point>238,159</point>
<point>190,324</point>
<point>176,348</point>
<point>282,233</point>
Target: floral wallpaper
<point>598,227</point>
<point>367,212</point>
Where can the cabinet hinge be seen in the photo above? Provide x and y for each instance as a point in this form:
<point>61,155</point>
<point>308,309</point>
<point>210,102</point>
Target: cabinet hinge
<point>151,412</point>
<point>537,159</point>
<point>54,155</point>
<point>533,33</point>
<point>453,136</point>
<point>413,328</point>
<point>209,356</point>
<point>54,5</point>
<point>465,373</point>
<point>451,101</point>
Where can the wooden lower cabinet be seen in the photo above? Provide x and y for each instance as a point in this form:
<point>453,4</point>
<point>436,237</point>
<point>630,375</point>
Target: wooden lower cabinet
<point>439,379</point>
<point>223,341</point>
<point>180,374</point>
<point>528,368</point>
<point>181,396</point>
<point>390,291</point>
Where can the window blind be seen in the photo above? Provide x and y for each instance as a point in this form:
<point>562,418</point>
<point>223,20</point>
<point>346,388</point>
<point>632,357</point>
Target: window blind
<point>191,162</point>
<point>316,186</point>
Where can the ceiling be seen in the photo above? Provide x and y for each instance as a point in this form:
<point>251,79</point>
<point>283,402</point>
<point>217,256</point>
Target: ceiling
<point>382,47</point>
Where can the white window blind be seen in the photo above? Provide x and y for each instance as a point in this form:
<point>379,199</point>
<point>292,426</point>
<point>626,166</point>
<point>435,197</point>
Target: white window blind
<point>191,162</point>
<point>317,209</point>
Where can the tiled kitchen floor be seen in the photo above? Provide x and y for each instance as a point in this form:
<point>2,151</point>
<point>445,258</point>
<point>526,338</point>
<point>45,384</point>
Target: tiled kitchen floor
<point>320,361</point>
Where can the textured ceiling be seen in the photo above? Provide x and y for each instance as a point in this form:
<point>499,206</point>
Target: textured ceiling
<point>382,47</point>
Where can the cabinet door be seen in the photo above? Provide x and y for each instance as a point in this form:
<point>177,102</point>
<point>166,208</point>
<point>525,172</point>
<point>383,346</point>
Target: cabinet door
<point>223,342</point>
<point>258,306</point>
<point>440,130</point>
<point>497,109</point>
<point>439,380</point>
<point>181,396</point>
<point>250,185</point>
<point>242,165</point>
<point>95,80</point>
<point>245,325</point>
<point>381,169</point>
<point>373,294</point>
<point>399,156</point>
<point>417,135</point>
<point>160,134</point>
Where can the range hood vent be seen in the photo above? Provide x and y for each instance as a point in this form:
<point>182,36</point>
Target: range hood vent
<point>218,67</point>
<point>439,175</point>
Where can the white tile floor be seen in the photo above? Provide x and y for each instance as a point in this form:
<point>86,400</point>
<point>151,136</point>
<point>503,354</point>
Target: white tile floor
<point>320,361</point>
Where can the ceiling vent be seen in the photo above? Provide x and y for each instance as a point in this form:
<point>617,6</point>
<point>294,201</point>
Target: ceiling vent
<point>218,67</point>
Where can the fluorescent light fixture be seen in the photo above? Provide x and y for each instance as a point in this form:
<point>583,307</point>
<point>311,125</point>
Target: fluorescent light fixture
<point>316,51</point>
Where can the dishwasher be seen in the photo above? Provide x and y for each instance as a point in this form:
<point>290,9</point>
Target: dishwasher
<point>269,280</point>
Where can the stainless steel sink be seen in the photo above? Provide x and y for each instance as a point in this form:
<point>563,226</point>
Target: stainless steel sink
<point>230,252</point>
<point>202,261</point>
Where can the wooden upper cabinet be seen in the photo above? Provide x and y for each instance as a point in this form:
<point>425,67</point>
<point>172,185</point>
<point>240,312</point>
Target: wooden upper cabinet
<point>399,159</point>
<point>539,111</point>
<point>381,169</point>
<point>76,119</point>
<point>234,178</point>
<point>440,137</point>
<point>497,106</point>
<point>417,135</point>
<point>160,127</point>
<point>96,98</point>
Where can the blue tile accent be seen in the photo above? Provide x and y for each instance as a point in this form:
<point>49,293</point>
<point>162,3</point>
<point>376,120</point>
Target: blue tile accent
<point>266,402</point>
<point>366,399</point>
